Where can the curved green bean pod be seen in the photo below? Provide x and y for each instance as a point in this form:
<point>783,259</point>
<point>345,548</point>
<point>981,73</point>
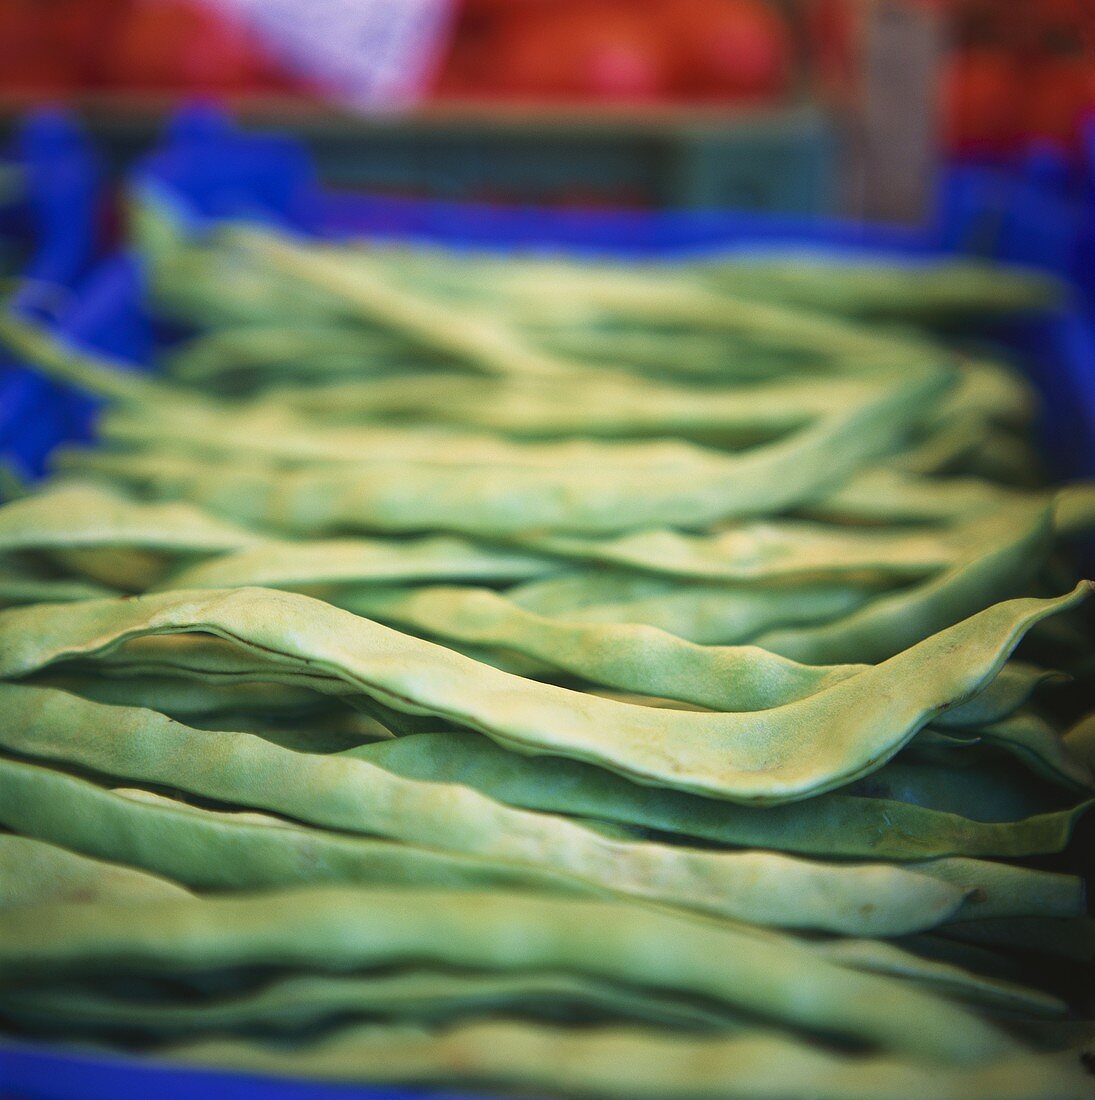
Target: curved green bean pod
<point>832,825</point>
<point>641,659</point>
<point>290,1004</point>
<point>637,1064</point>
<point>342,930</point>
<point>759,887</point>
<point>780,754</point>
<point>35,873</point>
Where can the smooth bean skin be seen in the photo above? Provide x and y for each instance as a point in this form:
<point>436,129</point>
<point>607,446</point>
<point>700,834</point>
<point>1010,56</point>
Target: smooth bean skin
<point>556,853</point>
<point>832,825</point>
<point>777,755</point>
<point>638,1063</point>
<point>33,872</point>
<point>338,929</point>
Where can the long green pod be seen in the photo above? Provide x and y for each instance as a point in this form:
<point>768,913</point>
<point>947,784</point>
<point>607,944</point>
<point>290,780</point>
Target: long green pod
<point>985,789</point>
<point>785,549</point>
<point>707,614</point>
<point>909,290</point>
<point>1074,508</point>
<point>78,514</point>
<point>1071,939</point>
<point>832,825</point>
<point>295,1003</point>
<point>599,405</point>
<point>217,850</point>
<point>234,358</point>
<point>312,566</point>
<point>1041,748</point>
<point>148,410</point>
<point>479,342</point>
<point>494,498</point>
<point>964,982</point>
<point>1004,551</point>
<point>642,659</point>
<point>636,1065</point>
<point>33,872</point>
<point>888,496</point>
<point>791,551</point>
<point>186,698</point>
<point>18,590</point>
<point>762,888</point>
<point>890,622</point>
<point>271,435</point>
<point>341,930</point>
<point>780,754</point>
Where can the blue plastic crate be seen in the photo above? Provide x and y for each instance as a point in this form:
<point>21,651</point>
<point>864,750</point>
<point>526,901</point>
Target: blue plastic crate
<point>57,223</point>
<point>208,171</point>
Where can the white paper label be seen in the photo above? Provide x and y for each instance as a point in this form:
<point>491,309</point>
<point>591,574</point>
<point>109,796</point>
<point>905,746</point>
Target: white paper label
<point>368,53</point>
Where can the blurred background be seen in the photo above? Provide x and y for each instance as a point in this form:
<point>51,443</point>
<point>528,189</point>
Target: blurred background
<point>790,106</point>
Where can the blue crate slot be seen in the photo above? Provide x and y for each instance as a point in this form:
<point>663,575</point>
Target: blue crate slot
<point>58,223</point>
<point>27,1074</point>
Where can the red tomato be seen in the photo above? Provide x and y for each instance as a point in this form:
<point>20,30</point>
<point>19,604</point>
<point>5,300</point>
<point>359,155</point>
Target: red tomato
<point>30,62</point>
<point>175,45</point>
<point>981,93</point>
<point>602,50</point>
<point>1057,96</point>
<point>727,48</point>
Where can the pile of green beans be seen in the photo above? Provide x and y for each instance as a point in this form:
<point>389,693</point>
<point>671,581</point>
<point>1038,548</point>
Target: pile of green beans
<point>551,677</point>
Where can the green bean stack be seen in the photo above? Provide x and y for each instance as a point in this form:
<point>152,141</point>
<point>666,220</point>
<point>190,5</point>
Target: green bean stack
<point>539,676</point>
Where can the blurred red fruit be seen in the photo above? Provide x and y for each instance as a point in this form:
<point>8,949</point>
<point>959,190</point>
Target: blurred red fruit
<point>32,61</point>
<point>981,94</point>
<point>738,49</point>
<point>1057,97</point>
<point>593,50</point>
<point>173,45</point>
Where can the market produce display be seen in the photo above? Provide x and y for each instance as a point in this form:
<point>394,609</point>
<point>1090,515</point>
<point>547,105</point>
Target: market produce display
<point>553,677</point>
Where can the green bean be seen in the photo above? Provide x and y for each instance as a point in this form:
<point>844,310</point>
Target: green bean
<point>833,825</point>
<point>919,291</point>
<point>682,356</point>
<point>1003,567</point>
<point>1075,508</point>
<point>232,357</point>
<point>288,1004</point>
<point>985,789</point>
<point>706,614</point>
<point>600,405</point>
<point>788,549</point>
<point>959,981</point>
<point>17,589</point>
<point>775,755</point>
<point>36,873</point>
<point>1080,741</point>
<point>993,393</point>
<point>755,886</point>
<point>1038,745</point>
<point>636,1064</point>
<point>341,930</point>
<point>316,565</point>
<point>1072,939</point>
<point>641,659</point>
<point>68,515</point>
<point>888,496</point>
<point>680,484</point>
<point>270,434</point>
<point>214,850</point>
<point>183,698</point>
<point>477,342</point>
